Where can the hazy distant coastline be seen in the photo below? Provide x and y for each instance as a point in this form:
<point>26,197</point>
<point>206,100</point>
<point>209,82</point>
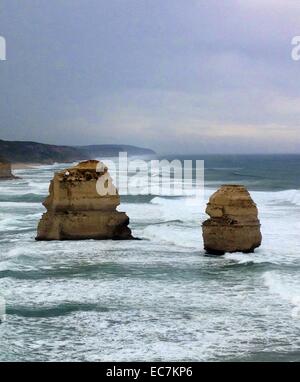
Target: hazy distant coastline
<point>20,152</point>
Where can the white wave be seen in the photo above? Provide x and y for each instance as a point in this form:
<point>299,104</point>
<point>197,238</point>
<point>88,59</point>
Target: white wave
<point>190,204</point>
<point>174,235</point>
<point>14,205</point>
<point>187,209</point>
<point>244,258</point>
<point>267,197</point>
<point>37,187</point>
<point>287,290</point>
<point>276,197</point>
<point>291,196</point>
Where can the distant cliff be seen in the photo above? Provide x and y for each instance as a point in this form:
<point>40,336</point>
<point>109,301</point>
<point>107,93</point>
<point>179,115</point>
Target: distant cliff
<point>112,150</point>
<point>33,152</point>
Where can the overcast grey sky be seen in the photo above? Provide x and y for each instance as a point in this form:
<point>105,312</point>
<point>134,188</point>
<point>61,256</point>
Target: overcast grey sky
<point>186,76</point>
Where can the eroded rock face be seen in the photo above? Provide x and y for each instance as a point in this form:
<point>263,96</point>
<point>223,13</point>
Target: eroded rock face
<point>76,210</point>
<point>233,225</point>
<point>5,170</point>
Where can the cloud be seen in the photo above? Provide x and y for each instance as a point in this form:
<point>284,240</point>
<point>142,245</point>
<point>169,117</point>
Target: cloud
<point>165,120</point>
<point>172,75</point>
<point>286,5</point>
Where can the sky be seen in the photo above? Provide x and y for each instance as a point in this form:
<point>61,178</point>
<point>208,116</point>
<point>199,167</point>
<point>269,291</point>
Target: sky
<point>177,76</point>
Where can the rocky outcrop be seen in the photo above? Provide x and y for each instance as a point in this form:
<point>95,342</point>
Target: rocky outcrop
<point>233,225</point>
<point>82,205</point>
<point>5,170</point>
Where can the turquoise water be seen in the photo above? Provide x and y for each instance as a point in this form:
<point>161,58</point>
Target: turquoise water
<point>159,298</point>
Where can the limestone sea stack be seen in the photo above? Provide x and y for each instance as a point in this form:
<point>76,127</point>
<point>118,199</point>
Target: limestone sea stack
<point>5,170</point>
<point>77,211</point>
<point>233,225</point>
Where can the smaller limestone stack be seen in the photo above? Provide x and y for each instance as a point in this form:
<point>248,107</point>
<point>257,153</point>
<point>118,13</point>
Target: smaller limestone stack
<point>82,205</point>
<point>233,225</point>
<point>5,170</point>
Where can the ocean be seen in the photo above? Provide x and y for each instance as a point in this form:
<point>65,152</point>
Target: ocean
<point>160,298</point>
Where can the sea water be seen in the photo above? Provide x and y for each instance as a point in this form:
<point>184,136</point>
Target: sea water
<point>160,298</point>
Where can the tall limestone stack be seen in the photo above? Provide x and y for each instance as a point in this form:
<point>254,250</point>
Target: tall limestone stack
<point>82,205</point>
<point>5,170</point>
<point>233,225</point>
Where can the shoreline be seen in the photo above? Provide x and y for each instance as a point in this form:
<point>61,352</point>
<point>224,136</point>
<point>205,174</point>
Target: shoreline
<point>22,166</point>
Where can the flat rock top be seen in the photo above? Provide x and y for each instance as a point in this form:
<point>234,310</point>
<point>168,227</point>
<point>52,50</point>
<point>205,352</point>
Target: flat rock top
<point>88,165</point>
<point>84,171</point>
<point>231,195</point>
